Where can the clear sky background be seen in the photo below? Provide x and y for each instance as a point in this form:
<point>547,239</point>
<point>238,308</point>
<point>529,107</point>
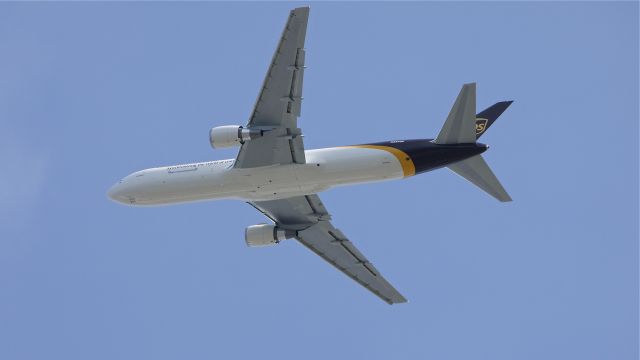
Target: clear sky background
<point>92,92</point>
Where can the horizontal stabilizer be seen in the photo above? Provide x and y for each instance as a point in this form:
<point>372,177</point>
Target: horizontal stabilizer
<point>460,127</point>
<point>476,170</point>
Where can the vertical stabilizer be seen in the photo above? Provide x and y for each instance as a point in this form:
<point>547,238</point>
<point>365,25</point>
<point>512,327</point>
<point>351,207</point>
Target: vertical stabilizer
<point>486,117</point>
<point>460,127</point>
<point>476,170</point>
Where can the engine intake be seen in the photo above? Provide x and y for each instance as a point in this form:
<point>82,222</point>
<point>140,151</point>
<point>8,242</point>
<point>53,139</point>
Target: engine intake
<point>265,235</point>
<point>231,135</point>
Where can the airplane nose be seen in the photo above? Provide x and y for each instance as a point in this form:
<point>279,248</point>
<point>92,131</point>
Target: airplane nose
<point>116,194</point>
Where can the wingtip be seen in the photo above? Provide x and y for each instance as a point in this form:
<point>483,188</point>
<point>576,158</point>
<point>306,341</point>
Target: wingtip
<point>300,12</point>
<point>397,300</point>
<point>301,8</point>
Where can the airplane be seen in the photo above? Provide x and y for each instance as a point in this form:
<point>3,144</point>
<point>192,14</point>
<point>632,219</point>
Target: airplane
<point>276,175</point>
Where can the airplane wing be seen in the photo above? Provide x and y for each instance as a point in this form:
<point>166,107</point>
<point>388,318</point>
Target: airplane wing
<point>308,216</point>
<point>278,105</point>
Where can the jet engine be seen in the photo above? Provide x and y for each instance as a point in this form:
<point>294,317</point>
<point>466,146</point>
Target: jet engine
<point>265,235</point>
<point>231,135</point>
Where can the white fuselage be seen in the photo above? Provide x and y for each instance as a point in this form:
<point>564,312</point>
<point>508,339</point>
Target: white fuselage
<point>324,168</point>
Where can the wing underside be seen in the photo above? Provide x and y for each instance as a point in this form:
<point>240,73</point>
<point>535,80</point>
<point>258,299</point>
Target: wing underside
<point>279,103</point>
<point>311,221</point>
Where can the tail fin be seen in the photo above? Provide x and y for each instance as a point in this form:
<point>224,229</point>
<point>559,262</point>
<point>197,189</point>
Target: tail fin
<point>476,170</point>
<point>486,117</point>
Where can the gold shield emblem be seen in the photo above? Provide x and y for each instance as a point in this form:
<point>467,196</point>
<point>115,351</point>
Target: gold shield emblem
<point>481,125</point>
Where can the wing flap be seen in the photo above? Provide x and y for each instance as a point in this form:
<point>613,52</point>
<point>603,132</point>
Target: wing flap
<point>278,146</point>
<point>294,213</point>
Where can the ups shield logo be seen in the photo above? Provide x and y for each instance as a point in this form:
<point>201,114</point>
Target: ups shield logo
<point>481,126</point>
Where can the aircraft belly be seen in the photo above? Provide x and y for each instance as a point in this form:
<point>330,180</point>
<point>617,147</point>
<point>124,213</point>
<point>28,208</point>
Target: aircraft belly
<point>351,165</point>
<point>325,168</point>
<point>267,182</point>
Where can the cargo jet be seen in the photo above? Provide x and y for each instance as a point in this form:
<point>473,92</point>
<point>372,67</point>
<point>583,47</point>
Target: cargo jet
<point>276,175</point>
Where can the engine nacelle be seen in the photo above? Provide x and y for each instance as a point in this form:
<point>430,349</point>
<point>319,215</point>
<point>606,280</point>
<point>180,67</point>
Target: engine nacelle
<point>265,235</point>
<point>231,135</point>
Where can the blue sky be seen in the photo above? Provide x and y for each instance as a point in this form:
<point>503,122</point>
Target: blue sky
<point>92,92</point>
